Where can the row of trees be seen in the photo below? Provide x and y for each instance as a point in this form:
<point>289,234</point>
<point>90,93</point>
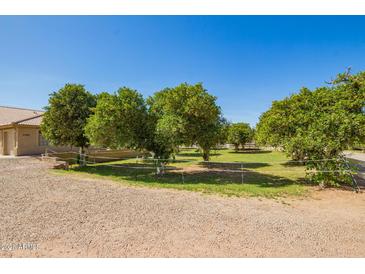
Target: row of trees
<point>310,126</point>
<point>183,115</point>
<point>319,124</point>
<point>186,114</point>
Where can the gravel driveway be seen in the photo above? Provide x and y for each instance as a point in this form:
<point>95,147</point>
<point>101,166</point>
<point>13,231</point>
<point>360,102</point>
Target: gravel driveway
<point>66,216</point>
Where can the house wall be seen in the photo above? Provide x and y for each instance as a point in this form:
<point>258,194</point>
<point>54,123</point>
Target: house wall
<point>29,142</point>
<point>24,140</point>
<point>10,142</point>
<point>1,142</point>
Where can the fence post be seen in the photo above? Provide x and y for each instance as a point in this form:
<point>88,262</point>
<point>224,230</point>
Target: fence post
<point>241,173</point>
<point>182,176</point>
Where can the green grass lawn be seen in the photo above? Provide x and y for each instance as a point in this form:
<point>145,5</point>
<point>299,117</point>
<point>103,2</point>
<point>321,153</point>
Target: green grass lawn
<point>263,173</point>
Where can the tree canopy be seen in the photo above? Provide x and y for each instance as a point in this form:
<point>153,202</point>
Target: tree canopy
<point>66,115</point>
<point>186,114</point>
<point>318,124</point>
<point>118,120</point>
<point>189,115</point>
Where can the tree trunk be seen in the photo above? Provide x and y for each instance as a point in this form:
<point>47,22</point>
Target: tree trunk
<point>236,147</point>
<point>206,154</point>
<point>243,146</point>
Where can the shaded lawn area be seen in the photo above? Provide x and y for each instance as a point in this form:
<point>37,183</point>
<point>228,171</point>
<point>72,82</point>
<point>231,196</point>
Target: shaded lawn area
<point>263,174</point>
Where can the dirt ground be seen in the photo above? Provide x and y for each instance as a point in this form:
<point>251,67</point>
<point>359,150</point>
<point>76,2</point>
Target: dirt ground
<point>47,215</point>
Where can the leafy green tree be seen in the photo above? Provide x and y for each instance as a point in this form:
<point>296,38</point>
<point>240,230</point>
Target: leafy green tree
<point>65,118</point>
<point>283,121</point>
<point>193,116</point>
<point>222,132</point>
<point>169,128</point>
<point>119,120</point>
<point>317,125</point>
<point>211,138</point>
<point>239,134</point>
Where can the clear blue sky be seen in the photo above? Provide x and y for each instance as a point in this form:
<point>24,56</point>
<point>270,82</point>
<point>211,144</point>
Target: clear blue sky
<point>246,61</point>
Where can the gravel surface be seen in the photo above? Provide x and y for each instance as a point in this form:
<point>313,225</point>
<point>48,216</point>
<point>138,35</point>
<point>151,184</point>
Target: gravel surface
<point>67,216</point>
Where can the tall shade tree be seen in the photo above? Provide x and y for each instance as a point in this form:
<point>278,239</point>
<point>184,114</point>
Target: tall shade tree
<point>223,131</point>
<point>119,120</point>
<point>282,121</point>
<point>191,113</point>
<point>319,124</point>
<point>239,134</point>
<point>65,118</point>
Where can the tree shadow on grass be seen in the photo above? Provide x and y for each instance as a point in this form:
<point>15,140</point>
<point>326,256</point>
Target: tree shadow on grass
<point>293,164</point>
<point>195,154</point>
<point>232,165</point>
<point>126,165</point>
<point>178,176</point>
<point>170,161</point>
<point>250,151</point>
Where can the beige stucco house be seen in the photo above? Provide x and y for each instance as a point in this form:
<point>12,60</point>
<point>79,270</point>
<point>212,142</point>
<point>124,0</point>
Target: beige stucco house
<point>20,132</point>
